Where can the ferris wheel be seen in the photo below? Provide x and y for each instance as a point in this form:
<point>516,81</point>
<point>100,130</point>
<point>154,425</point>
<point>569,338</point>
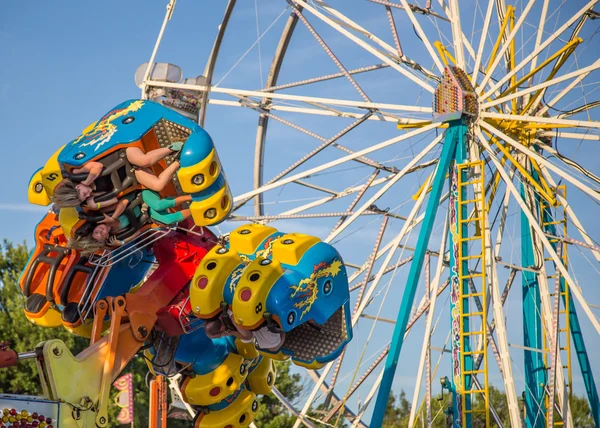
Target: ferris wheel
<point>447,152</point>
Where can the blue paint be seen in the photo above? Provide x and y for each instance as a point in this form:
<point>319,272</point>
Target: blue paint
<point>127,123</point>
<point>535,370</point>
<point>577,337</point>
<point>455,132</point>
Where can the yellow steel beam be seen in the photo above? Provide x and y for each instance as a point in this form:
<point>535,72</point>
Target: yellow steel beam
<point>569,46</point>
<point>442,51</point>
<point>555,70</point>
<point>549,197</point>
<point>512,61</point>
<point>510,11</point>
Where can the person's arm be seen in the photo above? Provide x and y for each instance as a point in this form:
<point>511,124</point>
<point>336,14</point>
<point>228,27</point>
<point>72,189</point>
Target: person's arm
<point>94,169</point>
<point>90,203</point>
<point>113,241</point>
<point>120,208</point>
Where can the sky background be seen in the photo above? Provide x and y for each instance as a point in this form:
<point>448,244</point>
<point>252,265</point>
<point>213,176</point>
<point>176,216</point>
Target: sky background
<point>66,64</point>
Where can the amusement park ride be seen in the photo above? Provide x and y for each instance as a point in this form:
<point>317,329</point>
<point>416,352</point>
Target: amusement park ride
<point>163,281</point>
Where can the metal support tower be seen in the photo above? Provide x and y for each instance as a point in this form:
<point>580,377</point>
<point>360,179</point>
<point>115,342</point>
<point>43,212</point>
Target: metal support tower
<point>454,137</point>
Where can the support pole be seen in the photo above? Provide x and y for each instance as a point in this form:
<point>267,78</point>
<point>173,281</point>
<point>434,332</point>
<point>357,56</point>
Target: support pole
<point>455,134</point>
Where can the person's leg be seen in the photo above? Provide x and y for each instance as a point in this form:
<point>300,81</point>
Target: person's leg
<point>155,202</point>
<point>153,182</point>
<point>137,157</point>
<point>169,218</point>
<point>181,199</point>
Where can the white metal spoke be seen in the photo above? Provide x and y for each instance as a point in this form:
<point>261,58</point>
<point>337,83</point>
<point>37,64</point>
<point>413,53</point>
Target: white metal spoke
<point>562,93</point>
<point>505,47</point>
<point>540,33</point>
<point>542,85</point>
<point>302,98</point>
<point>542,161</point>
<point>540,48</point>
<point>537,119</point>
<point>457,34</point>
<point>423,36</point>
<point>484,33</point>
<point>366,46</point>
<point>427,340</point>
<point>574,287</point>
<point>384,189</point>
<point>336,162</point>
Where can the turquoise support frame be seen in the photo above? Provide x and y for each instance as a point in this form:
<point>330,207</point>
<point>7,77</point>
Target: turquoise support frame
<point>577,336</point>
<point>454,135</point>
<point>535,370</point>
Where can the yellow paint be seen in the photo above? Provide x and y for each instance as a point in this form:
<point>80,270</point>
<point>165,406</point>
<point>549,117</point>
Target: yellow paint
<point>244,405</point>
<point>69,378</point>
<point>246,349</point>
<point>49,176</point>
<point>198,389</point>
<point>51,318</point>
<point>68,218</point>
<point>263,377</point>
<point>200,208</point>
<point>311,366</point>
<point>476,332</point>
<point>246,239</point>
<point>216,268</point>
<point>259,279</point>
<point>186,174</point>
<point>510,10</point>
<point>549,197</point>
<point>291,253</point>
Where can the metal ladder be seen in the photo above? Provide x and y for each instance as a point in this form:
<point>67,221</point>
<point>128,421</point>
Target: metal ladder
<point>471,266</point>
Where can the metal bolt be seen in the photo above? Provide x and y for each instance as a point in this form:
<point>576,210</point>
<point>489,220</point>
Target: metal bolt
<point>143,331</point>
<point>56,351</point>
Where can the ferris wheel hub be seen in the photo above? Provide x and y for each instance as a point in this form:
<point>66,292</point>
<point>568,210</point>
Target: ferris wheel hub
<point>455,97</point>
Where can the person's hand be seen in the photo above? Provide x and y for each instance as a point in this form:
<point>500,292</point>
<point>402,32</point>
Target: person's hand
<point>113,241</point>
<point>107,219</point>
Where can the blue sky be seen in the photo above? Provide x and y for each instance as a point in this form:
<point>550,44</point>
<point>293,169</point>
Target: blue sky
<point>64,66</point>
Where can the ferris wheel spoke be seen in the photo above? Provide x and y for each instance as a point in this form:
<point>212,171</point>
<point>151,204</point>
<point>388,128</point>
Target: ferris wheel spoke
<point>540,48</point>
<point>370,48</point>
<point>414,7</point>
<point>457,34</point>
<point>385,188</point>
<point>505,47</point>
<point>290,97</point>
<point>572,216</point>
<point>464,39</point>
<point>329,52</point>
<point>569,135</point>
<point>574,287</point>
<point>482,39</point>
<point>539,35</point>
<point>429,319</point>
<point>533,120</point>
<point>542,161</point>
<point>543,85</point>
<point>423,36</point>
<point>325,78</point>
<point>564,92</point>
<point>336,162</point>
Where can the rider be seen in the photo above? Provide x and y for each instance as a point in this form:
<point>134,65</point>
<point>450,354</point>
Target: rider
<point>70,194</point>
